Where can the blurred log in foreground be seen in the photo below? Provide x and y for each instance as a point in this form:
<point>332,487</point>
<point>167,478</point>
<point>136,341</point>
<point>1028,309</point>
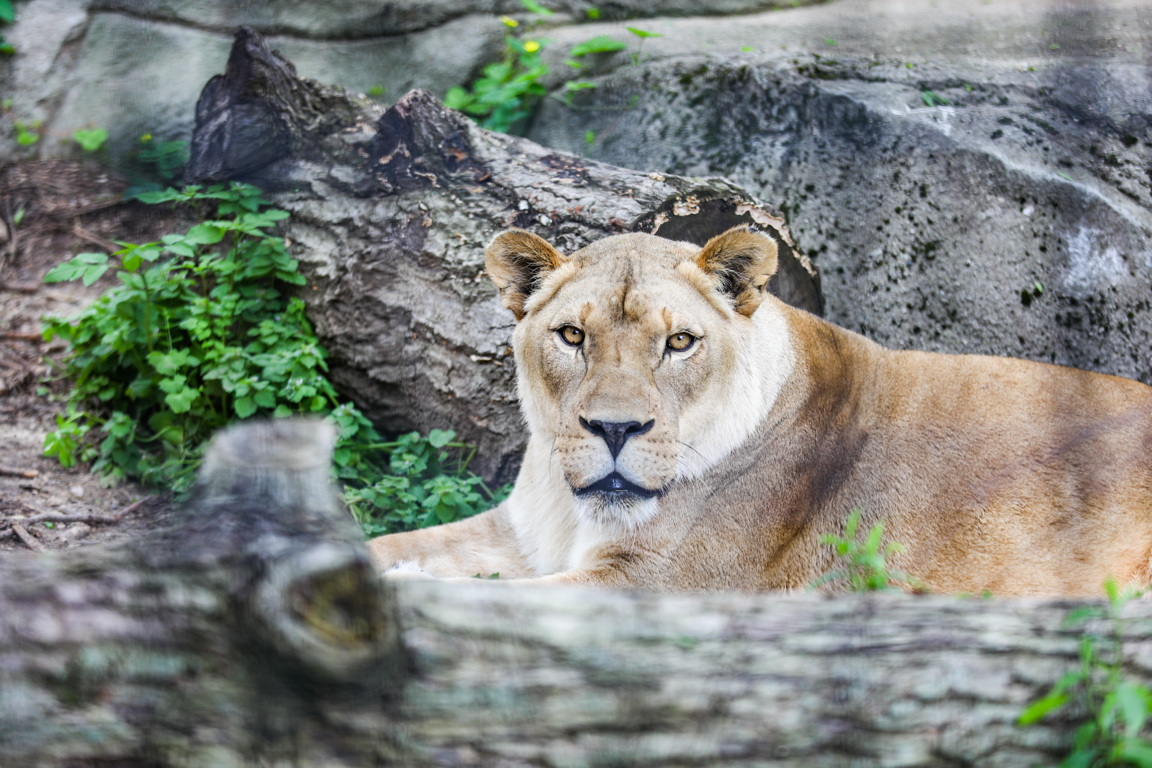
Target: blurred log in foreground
<point>391,213</point>
<point>248,629</point>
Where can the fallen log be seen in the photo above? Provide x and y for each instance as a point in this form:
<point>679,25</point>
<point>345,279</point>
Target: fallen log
<point>249,629</point>
<point>391,213</point>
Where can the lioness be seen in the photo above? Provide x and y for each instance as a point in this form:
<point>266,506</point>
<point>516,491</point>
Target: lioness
<point>689,431</point>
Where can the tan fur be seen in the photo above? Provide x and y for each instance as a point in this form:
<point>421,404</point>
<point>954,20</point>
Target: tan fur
<point>1016,477</point>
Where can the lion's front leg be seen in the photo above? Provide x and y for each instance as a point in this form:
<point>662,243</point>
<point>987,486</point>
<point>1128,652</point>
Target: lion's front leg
<point>484,544</point>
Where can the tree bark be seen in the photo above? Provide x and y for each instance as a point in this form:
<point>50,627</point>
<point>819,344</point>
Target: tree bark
<point>249,629</point>
<point>391,213</point>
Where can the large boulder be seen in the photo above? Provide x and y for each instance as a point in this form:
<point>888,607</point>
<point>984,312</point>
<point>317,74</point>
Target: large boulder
<point>969,177</point>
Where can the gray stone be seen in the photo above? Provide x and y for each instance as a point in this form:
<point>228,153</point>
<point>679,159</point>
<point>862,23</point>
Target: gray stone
<point>1012,219</point>
<point>80,68</point>
<point>351,19</point>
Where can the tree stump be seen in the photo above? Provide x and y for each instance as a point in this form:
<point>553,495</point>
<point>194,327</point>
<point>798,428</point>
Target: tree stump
<point>391,213</point>
<point>249,629</point>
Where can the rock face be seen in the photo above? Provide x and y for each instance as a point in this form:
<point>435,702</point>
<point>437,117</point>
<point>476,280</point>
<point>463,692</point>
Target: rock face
<point>391,213</point>
<point>135,67</point>
<point>982,187</point>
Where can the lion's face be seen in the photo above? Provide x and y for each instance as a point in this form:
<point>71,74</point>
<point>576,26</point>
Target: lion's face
<point>623,351</point>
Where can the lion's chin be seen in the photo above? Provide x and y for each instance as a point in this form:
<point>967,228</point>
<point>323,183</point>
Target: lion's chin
<point>614,500</point>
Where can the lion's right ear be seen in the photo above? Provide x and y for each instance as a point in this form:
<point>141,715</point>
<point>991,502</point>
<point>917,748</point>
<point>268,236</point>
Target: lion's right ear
<point>518,261</point>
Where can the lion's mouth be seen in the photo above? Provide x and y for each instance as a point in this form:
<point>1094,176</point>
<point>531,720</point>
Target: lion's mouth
<point>616,485</point>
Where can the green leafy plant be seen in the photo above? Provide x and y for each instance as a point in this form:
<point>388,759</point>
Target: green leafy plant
<point>202,331</point>
<point>504,96</point>
<point>199,332</point>
<point>507,93</point>
<point>428,484</point>
<point>864,564</point>
<point>155,164</point>
<point>508,90</point>
<point>90,140</point>
<point>27,134</point>
<point>1116,710</point>
<point>7,16</point>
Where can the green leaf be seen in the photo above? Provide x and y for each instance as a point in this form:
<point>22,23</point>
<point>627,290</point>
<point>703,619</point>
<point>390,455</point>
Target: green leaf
<point>534,7</point>
<point>245,406</point>
<point>1038,709</point>
<point>160,196</point>
<point>598,44</point>
<point>1134,752</point>
<point>640,33</point>
<point>1112,590</point>
<point>181,402</point>
<point>1131,699</point>
<point>440,437</point>
<point>457,98</point>
<point>91,140</point>
<point>6,13</point>
<point>931,99</point>
<point>89,266</point>
<point>207,233</point>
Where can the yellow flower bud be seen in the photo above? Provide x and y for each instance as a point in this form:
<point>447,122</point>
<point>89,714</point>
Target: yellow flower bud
<point>531,46</point>
<point>509,21</point>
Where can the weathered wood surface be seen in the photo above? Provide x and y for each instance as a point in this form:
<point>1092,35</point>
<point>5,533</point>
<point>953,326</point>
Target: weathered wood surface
<point>391,213</point>
<point>249,630</point>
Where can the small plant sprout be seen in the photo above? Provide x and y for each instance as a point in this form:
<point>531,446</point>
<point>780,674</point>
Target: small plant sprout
<point>27,134</point>
<point>864,564</point>
<point>90,140</point>
<point>931,99</point>
<point>376,91</point>
<point>641,35</point>
<point>1114,708</point>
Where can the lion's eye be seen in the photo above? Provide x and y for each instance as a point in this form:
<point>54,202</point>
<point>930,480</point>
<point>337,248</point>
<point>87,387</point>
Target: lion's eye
<point>681,341</point>
<point>572,335</point>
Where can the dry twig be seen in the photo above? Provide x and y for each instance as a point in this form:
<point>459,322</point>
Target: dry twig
<point>19,287</point>
<point>93,238</point>
<point>60,517</point>
<point>26,537</point>
<point>10,472</point>
<point>16,335</point>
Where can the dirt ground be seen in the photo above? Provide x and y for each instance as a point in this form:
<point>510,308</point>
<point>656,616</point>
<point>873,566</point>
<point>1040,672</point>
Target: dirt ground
<point>68,207</point>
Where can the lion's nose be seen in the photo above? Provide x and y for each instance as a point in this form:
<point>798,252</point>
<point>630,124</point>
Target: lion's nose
<point>615,433</point>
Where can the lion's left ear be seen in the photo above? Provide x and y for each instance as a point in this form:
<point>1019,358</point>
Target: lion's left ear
<point>518,261</point>
<point>741,261</point>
